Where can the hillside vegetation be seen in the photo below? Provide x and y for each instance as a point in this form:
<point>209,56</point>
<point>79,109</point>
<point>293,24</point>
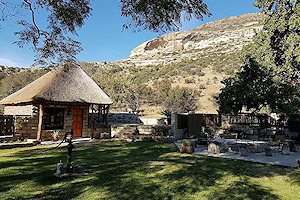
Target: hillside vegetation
<point>206,56</point>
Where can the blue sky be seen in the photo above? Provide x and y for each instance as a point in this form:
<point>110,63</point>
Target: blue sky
<point>102,36</point>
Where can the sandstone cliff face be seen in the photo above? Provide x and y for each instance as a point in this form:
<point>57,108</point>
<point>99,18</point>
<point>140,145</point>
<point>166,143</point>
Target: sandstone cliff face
<point>225,35</point>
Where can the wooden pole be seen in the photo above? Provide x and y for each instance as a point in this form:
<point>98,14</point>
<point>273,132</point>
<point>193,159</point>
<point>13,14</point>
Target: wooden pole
<point>106,114</point>
<point>99,113</point>
<point>93,122</point>
<point>40,124</point>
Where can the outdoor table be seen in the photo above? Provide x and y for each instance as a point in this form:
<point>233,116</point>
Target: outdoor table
<point>286,149</point>
<point>292,145</point>
<point>257,146</point>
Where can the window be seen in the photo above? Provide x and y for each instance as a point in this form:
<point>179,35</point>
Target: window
<point>53,118</point>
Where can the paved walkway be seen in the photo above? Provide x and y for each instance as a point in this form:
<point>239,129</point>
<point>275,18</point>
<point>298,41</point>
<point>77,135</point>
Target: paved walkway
<point>276,159</point>
<point>75,141</point>
<point>10,145</point>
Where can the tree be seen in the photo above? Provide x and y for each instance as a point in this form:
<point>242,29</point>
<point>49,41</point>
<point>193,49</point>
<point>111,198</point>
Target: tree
<point>53,42</point>
<point>270,75</point>
<point>162,89</point>
<point>180,99</point>
<point>278,44</point>
<point>253,88</point>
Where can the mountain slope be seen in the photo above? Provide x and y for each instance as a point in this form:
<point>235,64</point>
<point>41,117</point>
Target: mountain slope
<point>198,59</point>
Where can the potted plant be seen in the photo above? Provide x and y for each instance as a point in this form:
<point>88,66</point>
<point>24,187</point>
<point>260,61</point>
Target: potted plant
<point>55,135</point>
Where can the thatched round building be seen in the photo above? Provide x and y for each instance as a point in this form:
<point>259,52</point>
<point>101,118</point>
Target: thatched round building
<point>63,97</point>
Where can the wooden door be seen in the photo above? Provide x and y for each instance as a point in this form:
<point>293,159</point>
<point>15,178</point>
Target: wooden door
<point>77,121</point>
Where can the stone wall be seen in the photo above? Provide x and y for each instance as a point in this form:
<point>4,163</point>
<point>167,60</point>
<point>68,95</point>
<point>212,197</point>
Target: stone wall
<point>67,119</point>
<point>85,125</point>
<point>102,132</point>
<point>152,121</point>
<point>175,130</point>
<point>26,126</point>
<point>145,129</point>
<point>121,118</point>
<point>129,130</point>
<point>123,131</point>
<point>46,134</point>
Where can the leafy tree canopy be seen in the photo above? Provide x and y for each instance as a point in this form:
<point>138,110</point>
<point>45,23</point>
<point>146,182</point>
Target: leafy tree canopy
<point>254,88</point>
<point>53,41</point>
<point>270,76</point>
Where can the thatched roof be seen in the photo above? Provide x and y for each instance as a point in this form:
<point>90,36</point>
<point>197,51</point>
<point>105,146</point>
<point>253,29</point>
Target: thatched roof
<point>67,83</point>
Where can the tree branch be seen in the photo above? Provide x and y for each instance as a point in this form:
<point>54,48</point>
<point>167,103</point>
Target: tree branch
<point>35,39</point>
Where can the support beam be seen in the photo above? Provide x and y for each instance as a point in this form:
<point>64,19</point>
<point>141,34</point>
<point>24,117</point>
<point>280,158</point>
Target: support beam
<point>103,113</point>
<point>106,114</point>
<point>99,113</point>
<point>40,124</point>
<point>93,122</point>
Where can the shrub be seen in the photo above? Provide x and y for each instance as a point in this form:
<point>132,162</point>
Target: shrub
<point>187,146</point>
<point>215,79</point>
<point>161,130</point>
<point>208,82</point>
<point>189,80</point>
<point>202,86</point>
<point>180,99</point>
<point>201,73</point>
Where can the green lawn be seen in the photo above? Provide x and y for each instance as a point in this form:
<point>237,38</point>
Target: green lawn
<point>142,170</point>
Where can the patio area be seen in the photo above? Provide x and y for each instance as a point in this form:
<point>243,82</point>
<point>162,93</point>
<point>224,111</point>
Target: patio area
<point>277,158</point>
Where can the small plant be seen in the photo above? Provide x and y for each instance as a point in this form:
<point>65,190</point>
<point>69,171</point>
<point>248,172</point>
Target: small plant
<point>189,80</point>
<point>187,146</point>
<point>201,73</point>
<point>215,79</point>
<point>55,135</point>
<point>202,86</point>
<point>168,114</point>
<point>208,82</point>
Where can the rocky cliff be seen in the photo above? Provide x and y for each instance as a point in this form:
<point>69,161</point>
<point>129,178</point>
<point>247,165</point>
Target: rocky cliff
<point>223,36</point>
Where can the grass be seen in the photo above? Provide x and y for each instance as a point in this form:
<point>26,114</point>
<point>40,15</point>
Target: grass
<point>143,170</point>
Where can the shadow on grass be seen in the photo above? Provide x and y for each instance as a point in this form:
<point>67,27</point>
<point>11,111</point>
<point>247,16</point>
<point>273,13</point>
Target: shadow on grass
<point>243,189</point>
<point>123,170</point>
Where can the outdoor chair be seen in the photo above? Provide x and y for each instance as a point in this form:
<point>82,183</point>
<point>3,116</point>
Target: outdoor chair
<point>277,142</point>
<point>268,152</point>
<point>292,145</point>
<point>234,148</point>
<point>252,148</point>
<point>285,149</point>
<point>203,139</point>
<point>244,150</point>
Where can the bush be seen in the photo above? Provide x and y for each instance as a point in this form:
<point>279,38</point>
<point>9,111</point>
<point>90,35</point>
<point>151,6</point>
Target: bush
<point>201,73</point>
<point>161,130</point>
<point>216,80</point>
<point>187,146</point>
<point>180,99</point>
<point>189,80</point>
<point>202,86</point>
